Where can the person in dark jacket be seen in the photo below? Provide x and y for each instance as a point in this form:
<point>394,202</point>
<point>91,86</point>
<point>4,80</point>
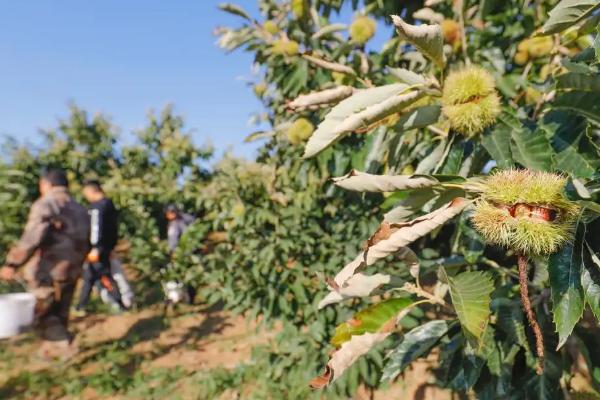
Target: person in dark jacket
<point>50,254</point>
<point>104,234</point>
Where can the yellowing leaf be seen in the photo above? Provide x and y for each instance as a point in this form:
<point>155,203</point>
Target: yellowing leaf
<point>359,335</point>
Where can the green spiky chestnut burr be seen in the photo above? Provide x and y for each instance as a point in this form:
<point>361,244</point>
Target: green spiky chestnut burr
<point>470,101</point>
<point>527,212</point>
<point>362,29</point>
<point>300,131</point>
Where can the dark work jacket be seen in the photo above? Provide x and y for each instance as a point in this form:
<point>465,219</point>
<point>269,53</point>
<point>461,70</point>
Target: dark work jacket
<point>104,223</point>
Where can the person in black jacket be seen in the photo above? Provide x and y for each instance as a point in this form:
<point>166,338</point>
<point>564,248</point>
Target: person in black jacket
<point>103,238</point>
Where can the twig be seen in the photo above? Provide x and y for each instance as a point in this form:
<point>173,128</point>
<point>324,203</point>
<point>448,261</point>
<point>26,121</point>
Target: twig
<point>539,339</point>
<point>437,131</point>
<point>497,266</point>
<point>463,32</point>
<point>411,288</point>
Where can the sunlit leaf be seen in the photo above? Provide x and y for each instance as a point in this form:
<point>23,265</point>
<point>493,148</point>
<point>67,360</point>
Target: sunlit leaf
<point>370,320</point>
<point>328,130</point>
<point>322,98</point>
<point>567,13</point>
<point>428,39</point>
<point>363,182</point>
<point>359,285</point>
<point>470,292</point>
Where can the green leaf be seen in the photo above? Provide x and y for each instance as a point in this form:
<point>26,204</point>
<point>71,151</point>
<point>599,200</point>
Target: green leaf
<point>573,162</point>
<point>497,143</point>
<point>597,45</point>
<point>434,158</point>
<point>584,103</point>
<point>510,320</point>
<point>567,13</point>
<point>428,39</point>
<point>531,149</point>
<point>235,10</point>
<point>575,154</point>
<point>370,320</point>
<point>477,354</point>
<point>574,81</point>
<point>452,163</point>
<point>470,292</point>
<point>565,268</point>
<point>414,344</point>
<point>590,279</point>
<point>420,117</point>
<point>547,385</point>
<point>297,79</point>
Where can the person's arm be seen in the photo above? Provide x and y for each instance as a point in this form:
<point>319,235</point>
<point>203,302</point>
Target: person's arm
<point>38,224</point>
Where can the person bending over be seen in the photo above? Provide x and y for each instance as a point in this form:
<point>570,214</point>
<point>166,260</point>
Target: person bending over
<point>103,238</point>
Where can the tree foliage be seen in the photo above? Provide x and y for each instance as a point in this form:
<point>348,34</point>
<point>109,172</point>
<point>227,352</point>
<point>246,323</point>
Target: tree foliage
<point>515,86</point>
<point>387,250</point>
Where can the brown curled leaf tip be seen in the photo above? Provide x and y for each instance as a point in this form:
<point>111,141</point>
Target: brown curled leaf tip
<point>383,232</point>
<point>319,382</point>
<point>331,282</point>
<point>457,202</point>
<point>388,326</point>
<point>353,322</point>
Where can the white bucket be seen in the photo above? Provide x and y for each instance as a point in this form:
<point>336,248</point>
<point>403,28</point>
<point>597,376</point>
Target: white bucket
<point>16,313</point>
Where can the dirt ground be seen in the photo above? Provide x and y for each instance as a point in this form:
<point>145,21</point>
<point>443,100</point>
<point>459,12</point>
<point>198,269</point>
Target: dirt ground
<point>194,339</point>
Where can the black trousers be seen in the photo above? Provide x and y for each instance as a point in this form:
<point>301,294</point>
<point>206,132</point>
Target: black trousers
<point>98,271</point>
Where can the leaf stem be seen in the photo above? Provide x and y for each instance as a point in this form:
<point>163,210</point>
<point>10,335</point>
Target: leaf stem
<point>539,339</point>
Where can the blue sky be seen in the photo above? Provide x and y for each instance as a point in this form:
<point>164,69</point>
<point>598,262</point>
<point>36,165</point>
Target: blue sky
<point>123,58</point>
